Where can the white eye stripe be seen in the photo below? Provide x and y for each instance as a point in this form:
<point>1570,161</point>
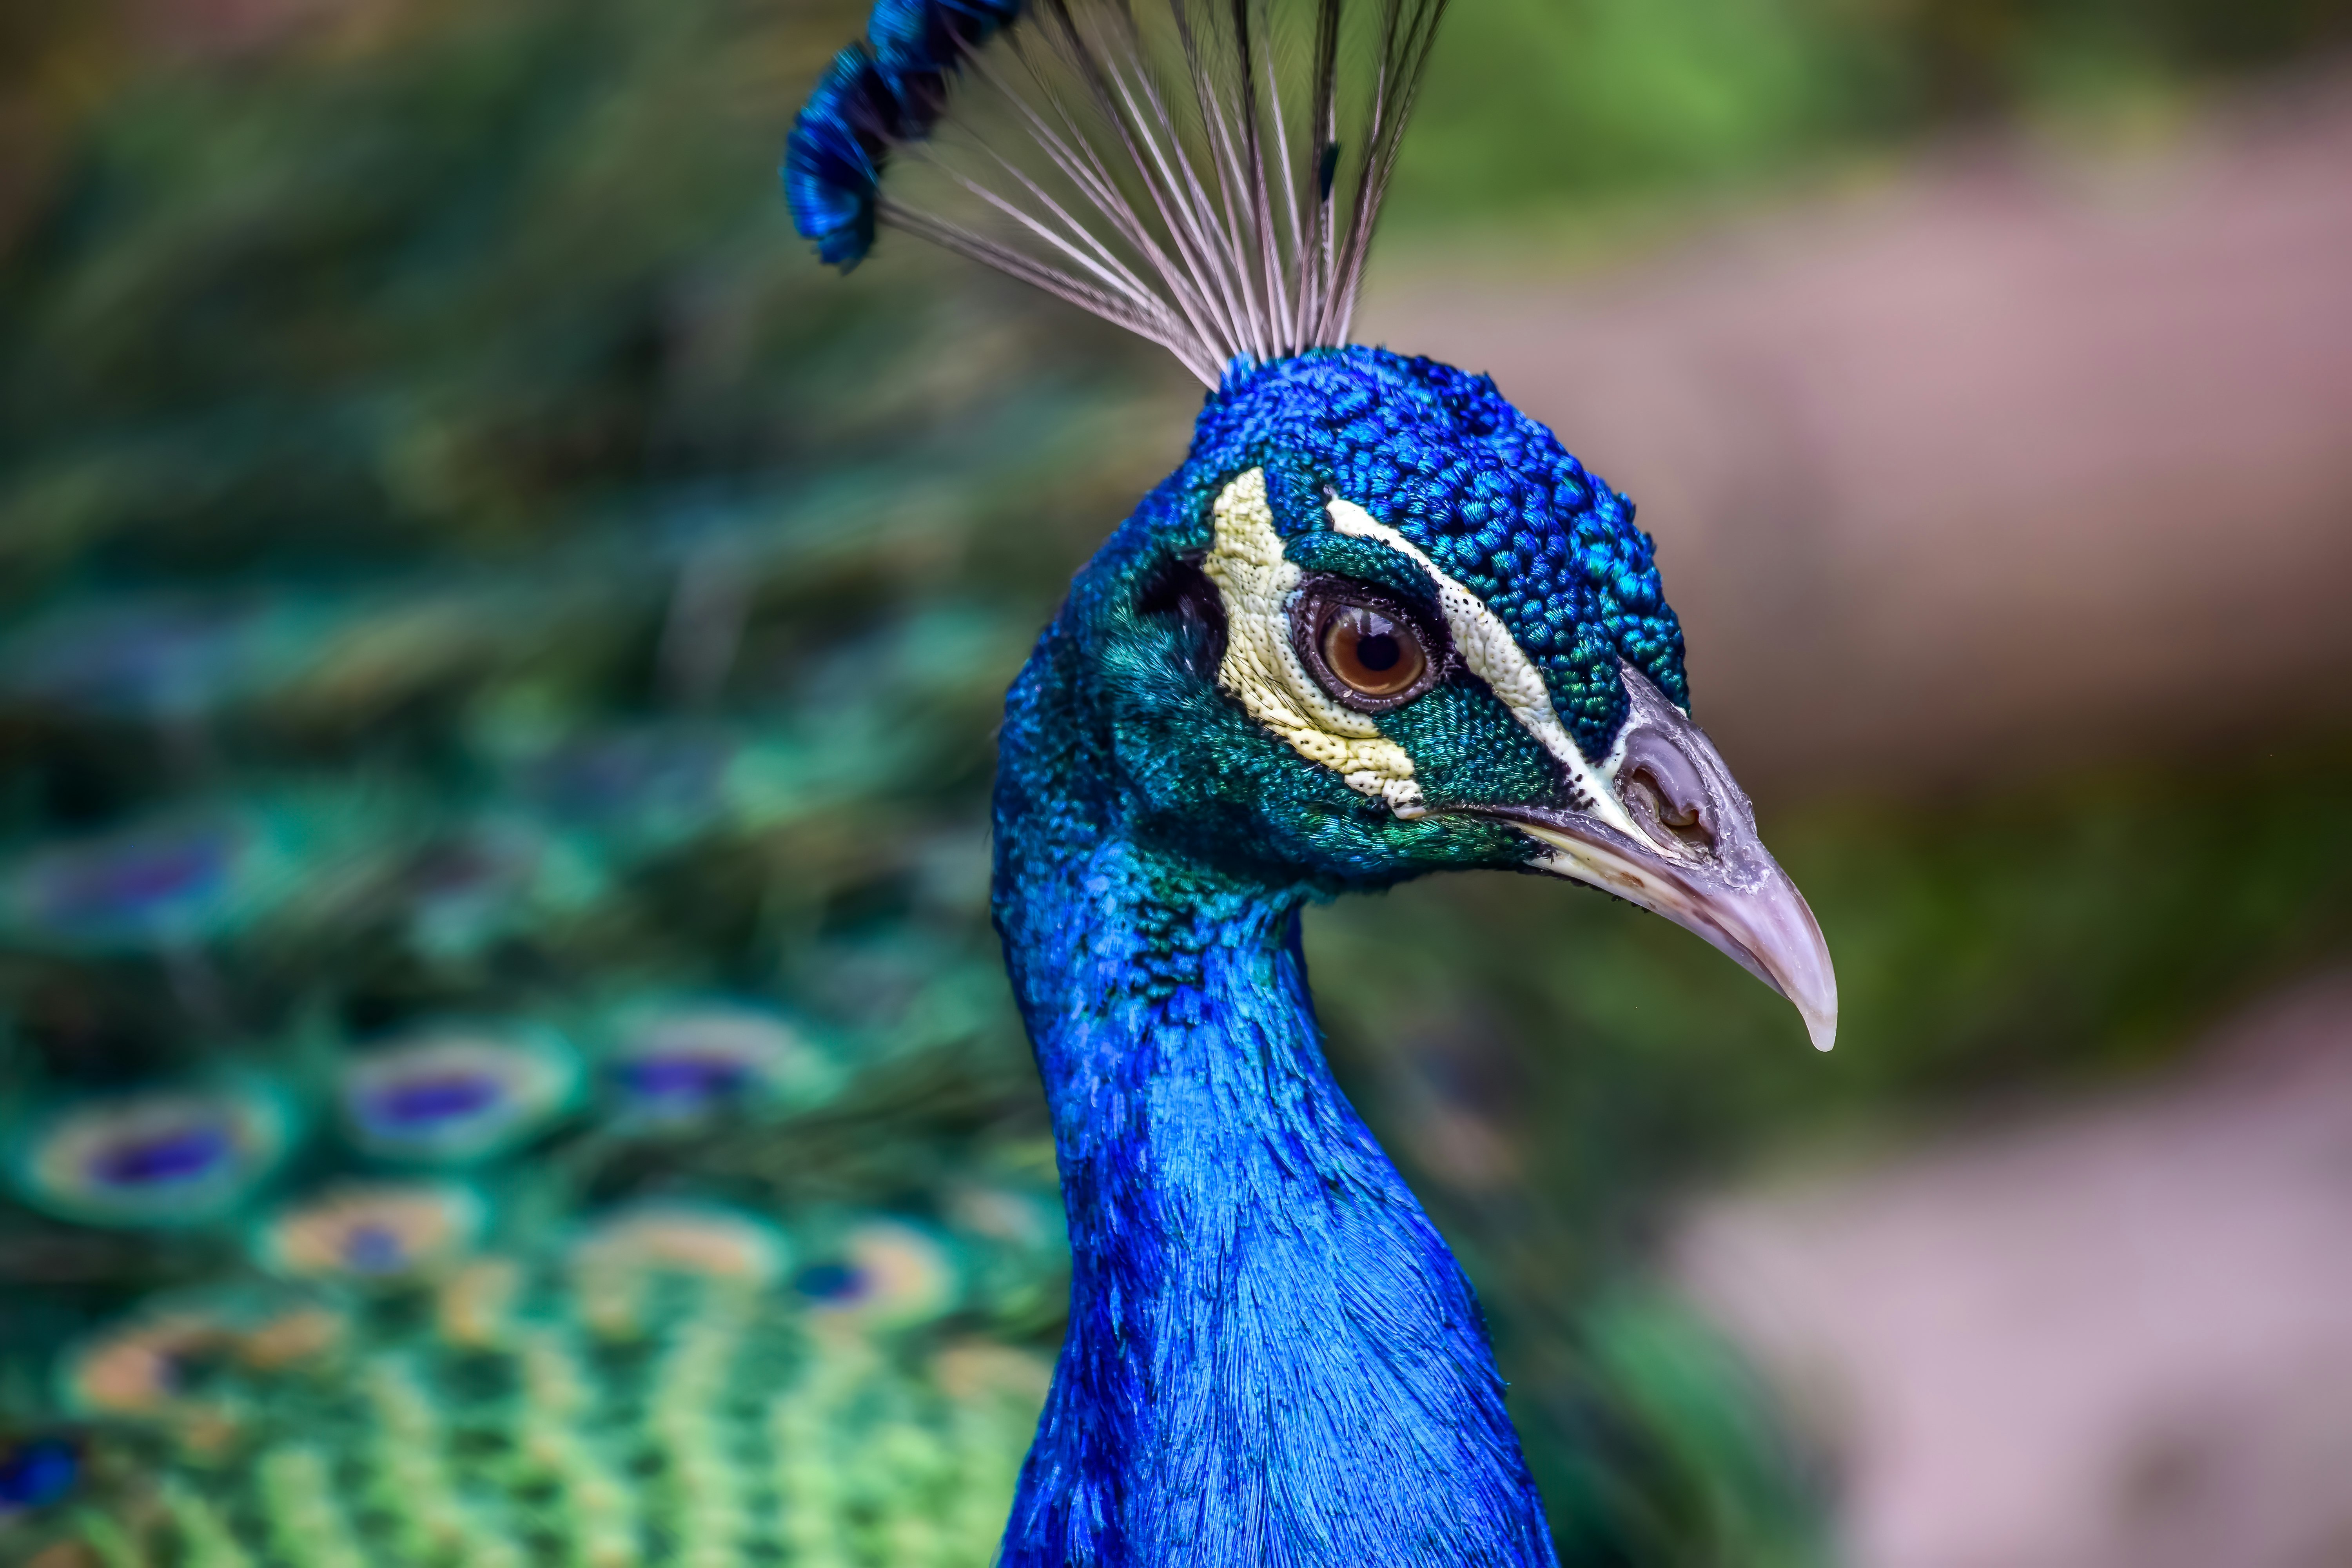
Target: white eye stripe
<point>1261,669</point>
<point>1493,655</point>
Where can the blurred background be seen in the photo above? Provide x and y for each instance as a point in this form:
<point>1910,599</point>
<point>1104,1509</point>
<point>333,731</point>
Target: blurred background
<point>458,551</point>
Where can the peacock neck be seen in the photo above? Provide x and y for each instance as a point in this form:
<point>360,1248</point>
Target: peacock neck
<point>1272,1356</point>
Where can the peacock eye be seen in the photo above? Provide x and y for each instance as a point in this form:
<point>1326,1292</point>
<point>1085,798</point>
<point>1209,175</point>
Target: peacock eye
<point>1369,653</point>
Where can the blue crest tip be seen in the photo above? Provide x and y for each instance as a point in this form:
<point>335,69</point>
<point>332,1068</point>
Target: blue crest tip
<point>890,87</point>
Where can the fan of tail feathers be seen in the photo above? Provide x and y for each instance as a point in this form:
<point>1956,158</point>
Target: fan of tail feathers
<point>651,1280</point>
<point>1206,174</point>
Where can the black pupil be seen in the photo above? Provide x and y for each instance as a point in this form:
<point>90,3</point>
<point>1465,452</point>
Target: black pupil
<point>1377,650</point>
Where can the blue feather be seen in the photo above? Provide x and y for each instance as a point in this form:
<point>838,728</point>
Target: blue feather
<point>919,38</point>
<point>833,158</point>
<point>1272,1356</point>
<point>893,88</point>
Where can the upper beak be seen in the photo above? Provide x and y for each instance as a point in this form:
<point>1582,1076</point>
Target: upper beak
<point>1680,839</point>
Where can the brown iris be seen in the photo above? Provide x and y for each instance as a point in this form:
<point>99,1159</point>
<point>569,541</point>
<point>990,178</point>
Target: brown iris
<point>1372,654</point>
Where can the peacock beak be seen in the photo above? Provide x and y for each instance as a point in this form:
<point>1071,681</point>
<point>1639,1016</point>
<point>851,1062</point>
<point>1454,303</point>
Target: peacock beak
<point>1680,839</point>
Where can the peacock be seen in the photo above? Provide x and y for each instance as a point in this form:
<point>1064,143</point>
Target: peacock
<point>1378,624</point>
<point>425,1159</point>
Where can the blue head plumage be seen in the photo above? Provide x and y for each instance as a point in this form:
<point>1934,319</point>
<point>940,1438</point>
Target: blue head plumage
<point>1488,493</point>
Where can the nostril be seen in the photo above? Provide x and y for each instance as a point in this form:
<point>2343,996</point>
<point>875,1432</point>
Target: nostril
<point>1676,807</point>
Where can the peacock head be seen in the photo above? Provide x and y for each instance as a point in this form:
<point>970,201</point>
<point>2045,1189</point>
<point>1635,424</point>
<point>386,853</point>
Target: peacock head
<point>1380,623</point>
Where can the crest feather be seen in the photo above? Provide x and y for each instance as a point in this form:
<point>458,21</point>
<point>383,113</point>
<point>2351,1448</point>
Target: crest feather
<point>1205,173</point>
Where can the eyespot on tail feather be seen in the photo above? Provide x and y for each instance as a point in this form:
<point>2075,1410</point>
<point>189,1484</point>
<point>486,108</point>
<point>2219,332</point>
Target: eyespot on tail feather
<point>160,1158</point>
<point>376,1231</point>
<point>884,1274</point>
<point>453,1093</point>
<point>679,1062</point>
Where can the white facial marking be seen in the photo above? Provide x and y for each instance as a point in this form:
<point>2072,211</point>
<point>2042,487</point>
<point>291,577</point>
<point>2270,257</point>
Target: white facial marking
<point>1261,669</point>
<point>1493,655</point>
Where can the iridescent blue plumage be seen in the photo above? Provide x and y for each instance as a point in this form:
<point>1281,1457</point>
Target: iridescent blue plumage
<point>1272,1356</point>
<point>833,156</point>
<point>889,87</point>
<point>1489,493</point>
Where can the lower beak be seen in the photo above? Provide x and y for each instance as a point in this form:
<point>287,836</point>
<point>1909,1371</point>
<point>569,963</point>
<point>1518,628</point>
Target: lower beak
<point>1715,880</point>
<point>1765,925</point>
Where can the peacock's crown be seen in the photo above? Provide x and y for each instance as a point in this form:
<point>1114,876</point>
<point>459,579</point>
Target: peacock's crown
<point>1489,495</point>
